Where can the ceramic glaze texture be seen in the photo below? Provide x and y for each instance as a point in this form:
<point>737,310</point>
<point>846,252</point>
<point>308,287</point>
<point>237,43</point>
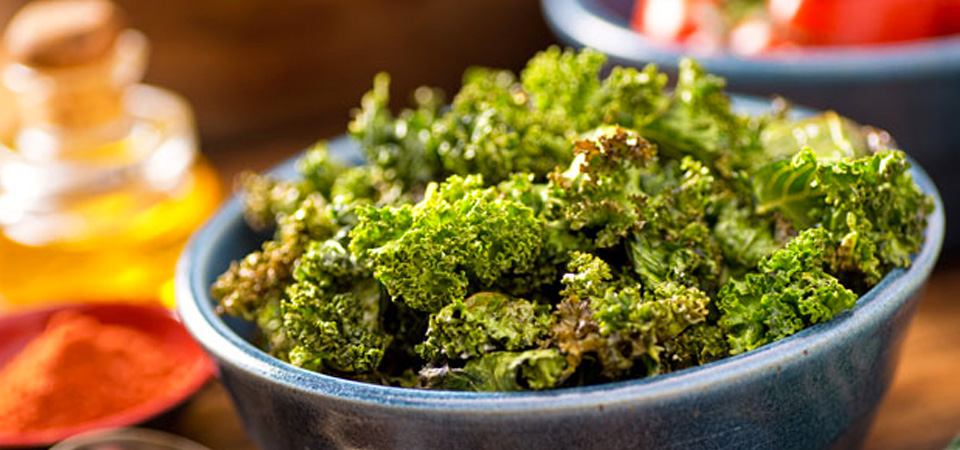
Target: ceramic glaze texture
<point>911,89</point>
<point>817,389</point>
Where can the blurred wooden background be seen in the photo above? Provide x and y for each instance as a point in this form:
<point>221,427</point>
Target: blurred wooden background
<point>274,75</point>
<point>268,77</point>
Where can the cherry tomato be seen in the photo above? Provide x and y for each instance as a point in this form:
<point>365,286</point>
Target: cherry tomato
<point>695,22</point>
<point>948,17</point>
<point>846,22</point>
<point>755,35</point>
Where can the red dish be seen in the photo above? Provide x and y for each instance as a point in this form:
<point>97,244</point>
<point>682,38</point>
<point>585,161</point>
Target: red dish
<point>19,329</point>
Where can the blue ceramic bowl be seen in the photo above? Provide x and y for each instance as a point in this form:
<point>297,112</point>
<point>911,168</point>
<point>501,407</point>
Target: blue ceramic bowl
<point>910,89</point>
<point>816,389</point>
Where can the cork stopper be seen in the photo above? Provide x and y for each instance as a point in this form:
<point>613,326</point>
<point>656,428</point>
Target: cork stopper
<point>69,62</point>
<point>63,33</point>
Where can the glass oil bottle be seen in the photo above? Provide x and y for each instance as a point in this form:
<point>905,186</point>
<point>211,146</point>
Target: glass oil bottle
<point>101,182</point>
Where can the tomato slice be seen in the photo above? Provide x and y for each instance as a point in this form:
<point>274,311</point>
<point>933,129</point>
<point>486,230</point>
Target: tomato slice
<point>846,22</point>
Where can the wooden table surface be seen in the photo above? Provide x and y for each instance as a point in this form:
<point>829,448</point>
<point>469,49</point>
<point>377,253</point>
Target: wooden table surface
<point>921,411</point>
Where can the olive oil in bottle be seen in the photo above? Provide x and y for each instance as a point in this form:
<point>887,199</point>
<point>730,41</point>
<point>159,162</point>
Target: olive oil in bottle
<point>101,182</point>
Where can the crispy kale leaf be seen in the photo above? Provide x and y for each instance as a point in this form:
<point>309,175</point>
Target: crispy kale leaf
<point>699,344</point>
<point>830,136</point>
<point>494,129</point>
<point>501,372</point>
<point>675,243</point>
<point>403,147</point>
<point>461,238</point>
<point>564,83</point>
<point>561,228</point>
<point>870,205</point>
<point>790,291</point>
<point>699,122</point>
<point>331,312</point>
<point>259,279</point>
<point>744,236</point>
<point>541,282</point>
<point>482,323</point>
<point>611,320</point>
<point>601,192</point>
<point>267,199</point>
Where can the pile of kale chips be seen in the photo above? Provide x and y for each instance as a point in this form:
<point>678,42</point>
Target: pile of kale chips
<point>563,229</point>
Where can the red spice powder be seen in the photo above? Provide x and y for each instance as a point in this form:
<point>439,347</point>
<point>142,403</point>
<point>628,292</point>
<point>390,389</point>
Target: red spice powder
<point>79,370</point>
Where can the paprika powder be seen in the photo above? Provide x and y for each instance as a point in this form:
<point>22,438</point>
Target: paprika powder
<point>80,370</point>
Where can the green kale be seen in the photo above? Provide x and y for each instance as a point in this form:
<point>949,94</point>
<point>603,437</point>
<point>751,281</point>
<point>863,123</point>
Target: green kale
<point>403,147</point>
<point>699,344</point>
<point>259,279</point>
<point>320,170</point>
<point>829,136</point>
<point>601,191</point>
<point>609,319</point>
<point>870,205</point>
<point>482,323</point>
<point>676,243</point>
<point>267,199</point>
<point>562,228</point>
<point>493,129</point>
<point>501,372</point>
<point>331,312</point>
<point>744,236</point>
<point>461,238</point>
<point>699,122</point>
<point>629,97</point>
<point>564,82</point>
<point>790,291</point>
<point>541,282</point>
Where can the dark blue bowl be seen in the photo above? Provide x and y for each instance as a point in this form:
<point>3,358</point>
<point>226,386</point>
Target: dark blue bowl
<point>910,89</point>
<point>816,389</point>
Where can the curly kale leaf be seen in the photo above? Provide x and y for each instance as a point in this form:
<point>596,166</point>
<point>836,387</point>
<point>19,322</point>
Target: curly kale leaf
<point>370,184</point>
<point>676,243</point>
<point>402,146</point>
<point>790,291</point>
<point>331,312</point>
<point>612,321</point>
<point>266,199</point>
<point>601,192</point>
<point>870,205</point>
<point>460,238</point>
<point>541,282</point>
<point>567,83</point>
<point>745,237</point>
<point>699,344</point>
<point>259,278</point>
<point>564,82</point>
<point>699,122</point>
<point>482,323</point>
<point>501,372</point>
<point>629,97</point>
<point>320,169</point>
<point>493,129</point>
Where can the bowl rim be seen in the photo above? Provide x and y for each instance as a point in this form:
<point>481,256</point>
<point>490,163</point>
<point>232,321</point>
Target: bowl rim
<point>586,23</point>
<point>198,314</point>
